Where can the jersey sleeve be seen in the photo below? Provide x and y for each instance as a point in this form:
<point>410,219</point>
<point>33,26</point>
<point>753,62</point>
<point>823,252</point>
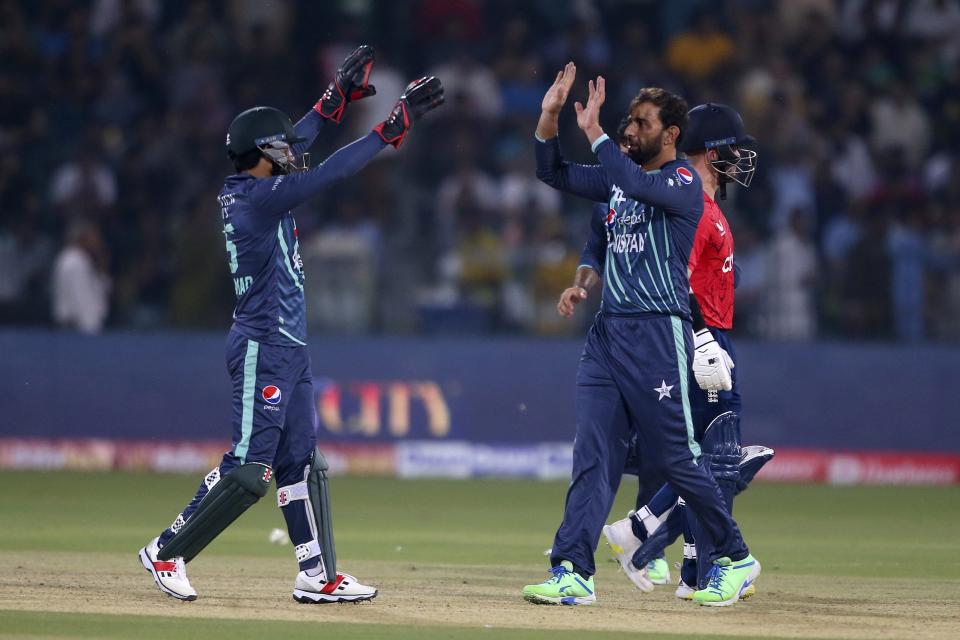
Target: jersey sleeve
<point>276,196</point>
<point>586,181</point>
<point>661,189</point>
<point>594,252</point>
<point>308,127</point>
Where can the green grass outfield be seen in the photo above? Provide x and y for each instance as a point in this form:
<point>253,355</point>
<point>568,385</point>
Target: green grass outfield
<point>451,556</point>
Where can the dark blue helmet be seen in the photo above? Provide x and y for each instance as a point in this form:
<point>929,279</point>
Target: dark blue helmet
<point>720,127</point>
<point>271,132</point>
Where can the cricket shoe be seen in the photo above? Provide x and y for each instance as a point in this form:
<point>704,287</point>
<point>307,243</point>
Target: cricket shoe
<point>170,575</point>
<point>317,590</point>
<point>563,587</point>
<point>727,581</point>
<point>685,591</point>
<point>658,571</point>
<point>623,544</point>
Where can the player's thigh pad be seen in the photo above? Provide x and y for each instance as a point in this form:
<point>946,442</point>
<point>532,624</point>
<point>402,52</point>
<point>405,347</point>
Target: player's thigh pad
<point>233,494</point>
<point>313,495</point>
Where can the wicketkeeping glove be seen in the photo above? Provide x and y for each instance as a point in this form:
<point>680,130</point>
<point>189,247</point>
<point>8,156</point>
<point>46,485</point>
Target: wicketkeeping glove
<point>711,363</point>
<point>352,82</point>
<point>419,97</point>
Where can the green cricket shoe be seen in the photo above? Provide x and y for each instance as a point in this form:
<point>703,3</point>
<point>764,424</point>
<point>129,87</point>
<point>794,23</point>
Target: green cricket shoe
<point>564,587</point>
<point>658,571</point>
<point>727,581</point>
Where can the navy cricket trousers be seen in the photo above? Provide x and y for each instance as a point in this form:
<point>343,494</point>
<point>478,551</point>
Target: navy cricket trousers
<point>634,377</point>
<point>273,415</point>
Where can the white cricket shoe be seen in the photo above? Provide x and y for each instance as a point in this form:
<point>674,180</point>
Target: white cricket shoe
<point>170,575</point>
<point>684,591</point>
<point>316,589</point>
<point>623,544</point>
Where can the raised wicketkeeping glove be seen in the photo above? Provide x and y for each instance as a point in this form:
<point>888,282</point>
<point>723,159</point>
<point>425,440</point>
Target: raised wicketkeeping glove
<point>419,97</point>
<point>711,363</point>
<point>352,82</point>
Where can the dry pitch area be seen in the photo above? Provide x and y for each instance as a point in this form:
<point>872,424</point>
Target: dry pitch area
<point>450,557</point>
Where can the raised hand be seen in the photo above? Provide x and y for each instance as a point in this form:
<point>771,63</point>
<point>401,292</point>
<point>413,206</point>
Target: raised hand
<point>556,95</point>
<point>588,118</point>
<point>420,96</point>
<point>351,83</point>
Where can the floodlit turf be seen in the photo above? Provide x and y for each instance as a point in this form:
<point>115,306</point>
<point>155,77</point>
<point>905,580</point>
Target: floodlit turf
<point>450,558</point>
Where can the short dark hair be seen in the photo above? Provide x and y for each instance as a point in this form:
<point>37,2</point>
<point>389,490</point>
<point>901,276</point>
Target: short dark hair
<point>673,108</point>
<point>246,160</point>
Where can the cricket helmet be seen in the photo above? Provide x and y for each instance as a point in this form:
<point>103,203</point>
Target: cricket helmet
<point>271,132</point>
<point>720,127</point>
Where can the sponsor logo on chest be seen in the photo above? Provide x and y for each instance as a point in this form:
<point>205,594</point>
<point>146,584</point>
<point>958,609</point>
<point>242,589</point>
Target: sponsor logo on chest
<point>624,216</point>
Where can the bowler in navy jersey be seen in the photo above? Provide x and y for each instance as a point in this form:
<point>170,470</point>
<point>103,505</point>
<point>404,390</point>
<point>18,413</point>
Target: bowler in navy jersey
<point>634,370</point>
<point>267,357</point>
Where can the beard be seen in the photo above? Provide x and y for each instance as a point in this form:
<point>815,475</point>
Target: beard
<point>644,153</point>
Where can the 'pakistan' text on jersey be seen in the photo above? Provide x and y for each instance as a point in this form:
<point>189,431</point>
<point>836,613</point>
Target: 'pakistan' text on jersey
<point>650,223</point>
<point>712,268</point>
<point>261,237</point>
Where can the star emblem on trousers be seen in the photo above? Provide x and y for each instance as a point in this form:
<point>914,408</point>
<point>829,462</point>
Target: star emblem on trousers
<point>664,390</point>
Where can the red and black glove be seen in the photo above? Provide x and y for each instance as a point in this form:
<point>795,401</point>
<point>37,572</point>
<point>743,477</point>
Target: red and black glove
<point>420,96</point>
<point>352,82</point>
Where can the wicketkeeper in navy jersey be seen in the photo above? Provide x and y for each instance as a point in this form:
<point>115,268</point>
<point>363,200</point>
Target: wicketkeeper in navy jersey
<point>639,350</point>
<point>267,356</point>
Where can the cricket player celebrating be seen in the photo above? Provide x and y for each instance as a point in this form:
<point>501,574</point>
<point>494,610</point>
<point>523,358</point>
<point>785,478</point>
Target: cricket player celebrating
<point>267,356</point>
<point>713,143</point>
<point>637,355</point>
<point>586,277</point>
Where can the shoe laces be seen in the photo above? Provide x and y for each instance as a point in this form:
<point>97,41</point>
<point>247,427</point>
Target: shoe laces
<point>558,572</point>
<point>181,567</point>
<point>715,577</point>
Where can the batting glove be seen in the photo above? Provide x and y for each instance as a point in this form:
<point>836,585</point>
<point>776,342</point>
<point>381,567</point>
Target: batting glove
<point>352,82</point>
<point>711,363</point>
<point>419,97</point>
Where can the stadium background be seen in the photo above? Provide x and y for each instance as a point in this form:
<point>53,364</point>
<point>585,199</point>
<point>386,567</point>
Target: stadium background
<point>432,276</point>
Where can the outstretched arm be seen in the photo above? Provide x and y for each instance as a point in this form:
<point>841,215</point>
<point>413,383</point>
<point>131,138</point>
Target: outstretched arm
<point>670,191</point>
<point>587,181</point>
<point>674,190</point>
<point>282,193</point>
<point>351,83</point>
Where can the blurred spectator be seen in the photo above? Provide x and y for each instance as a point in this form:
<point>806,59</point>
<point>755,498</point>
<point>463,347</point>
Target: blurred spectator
<point>81,284</point>
<point>792,274</point>
<point>703,50</point>
<point>471,88</point>
<point>115,110</point>
<point>84,187</point>
<point>900,125</point>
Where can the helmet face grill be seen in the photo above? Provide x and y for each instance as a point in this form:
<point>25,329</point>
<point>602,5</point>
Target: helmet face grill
<point>736,163</point>
<point>282,156</point>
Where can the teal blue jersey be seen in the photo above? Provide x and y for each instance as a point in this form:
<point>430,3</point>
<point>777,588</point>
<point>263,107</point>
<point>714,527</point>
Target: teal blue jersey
<point>651,220</point>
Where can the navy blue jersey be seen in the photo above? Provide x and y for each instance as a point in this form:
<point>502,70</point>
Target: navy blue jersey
<point>651,220</point>
<point>261,237</point>
<point>594,254</point>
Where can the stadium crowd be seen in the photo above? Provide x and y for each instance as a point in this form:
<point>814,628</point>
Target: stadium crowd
<point>113,114</point>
